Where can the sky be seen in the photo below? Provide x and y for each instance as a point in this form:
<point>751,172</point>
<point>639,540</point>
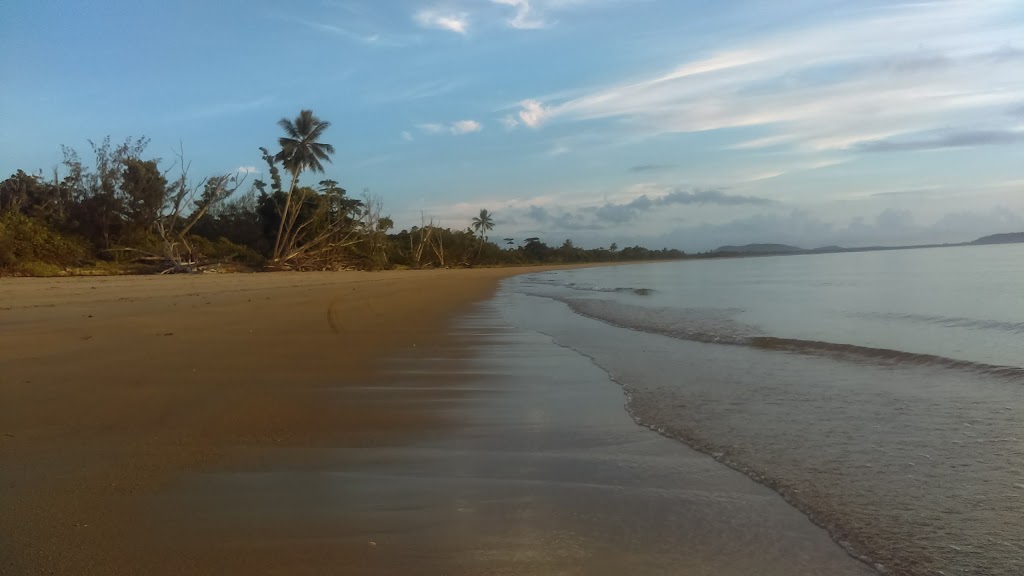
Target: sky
<point>686,124</point>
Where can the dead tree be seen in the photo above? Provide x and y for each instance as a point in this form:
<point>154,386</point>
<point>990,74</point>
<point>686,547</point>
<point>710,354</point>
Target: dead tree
<point>437,245</point>
<point>174,226</point>
<point>317,241</point>
<point>419,239</point>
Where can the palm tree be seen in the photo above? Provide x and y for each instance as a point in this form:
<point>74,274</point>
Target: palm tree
<point>482,224</point>
<point>300,150</point>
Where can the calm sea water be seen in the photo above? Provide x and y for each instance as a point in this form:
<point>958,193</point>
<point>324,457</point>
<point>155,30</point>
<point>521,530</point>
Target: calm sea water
<point>882,393</point>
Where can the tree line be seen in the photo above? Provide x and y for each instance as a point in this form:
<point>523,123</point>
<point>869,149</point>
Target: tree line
<point>124,212</point>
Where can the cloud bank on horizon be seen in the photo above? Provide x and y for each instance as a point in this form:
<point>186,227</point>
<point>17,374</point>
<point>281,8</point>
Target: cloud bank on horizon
<point>814,123</point>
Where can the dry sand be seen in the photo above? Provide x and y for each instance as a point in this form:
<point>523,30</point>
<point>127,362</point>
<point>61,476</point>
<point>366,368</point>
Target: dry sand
<point>111,387</point>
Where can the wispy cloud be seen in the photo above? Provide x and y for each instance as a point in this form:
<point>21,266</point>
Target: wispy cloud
<point>407,93</point>
<point>907,192</point>
<point>431,128</point>
<point>220,109</point>
<point>788,168</point>
<point>458,128</point>
<point>509,122</point>
<point>340,31</point>
<point>465,127</point>
<point>961,139</point>
<point>246,169</point>
<point>536,14</point>
<point>365,38</point>
<point>407,136</point>
<point>457,22</point>
<point>559,149</point>
<point>830,86</point>
<point>525,18</point>
<point>644,168</point>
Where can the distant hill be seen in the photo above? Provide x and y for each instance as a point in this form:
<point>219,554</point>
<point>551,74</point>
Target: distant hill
<point>1011,238</point>
<point>785,249</point>
<point>760,249</point>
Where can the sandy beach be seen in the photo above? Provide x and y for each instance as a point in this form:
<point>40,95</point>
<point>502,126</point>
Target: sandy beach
<point>110,387</point>
<point>128,405</point>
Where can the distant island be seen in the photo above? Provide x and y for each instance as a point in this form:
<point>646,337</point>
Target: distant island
<point>1011,238</point>
<point>785,249</point>
<point>759,249</point>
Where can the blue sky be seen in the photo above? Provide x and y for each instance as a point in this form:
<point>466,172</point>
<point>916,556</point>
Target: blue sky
<point>681,123</point>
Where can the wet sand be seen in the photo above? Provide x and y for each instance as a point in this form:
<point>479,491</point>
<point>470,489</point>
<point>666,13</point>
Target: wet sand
<point>334,423</point>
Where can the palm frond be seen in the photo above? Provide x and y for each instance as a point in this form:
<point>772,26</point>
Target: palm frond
<point>305,121</point>
<point>317,130</point>
<point>314,165</point>
<point>289,128</point>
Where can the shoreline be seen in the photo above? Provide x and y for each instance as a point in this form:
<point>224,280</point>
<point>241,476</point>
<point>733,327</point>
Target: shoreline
<point>211,375</point>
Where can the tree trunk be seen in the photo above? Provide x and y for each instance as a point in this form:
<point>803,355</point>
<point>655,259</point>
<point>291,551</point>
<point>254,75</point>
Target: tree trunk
<point>284,216</point>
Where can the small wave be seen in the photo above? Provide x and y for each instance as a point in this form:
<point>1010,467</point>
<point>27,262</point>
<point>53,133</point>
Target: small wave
<point>883,356</point>
<point>718,327</point>
<point>714,326</point>
<point>619,290</point>
<point>947,321</point>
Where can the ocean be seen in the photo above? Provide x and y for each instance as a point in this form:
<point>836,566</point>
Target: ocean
<point>881,393</point>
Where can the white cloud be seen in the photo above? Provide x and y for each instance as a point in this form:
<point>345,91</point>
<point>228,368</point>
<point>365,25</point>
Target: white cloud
<point>407,136</point>
<point>532,113</point>
<point>509,122</point>
<point>465,127</point>
<point>457,22</point>
<point>246,169</point>
<point>831,86</point>
<point>524,18</point>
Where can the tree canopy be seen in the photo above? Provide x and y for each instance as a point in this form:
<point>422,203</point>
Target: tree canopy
<point>125,210</point>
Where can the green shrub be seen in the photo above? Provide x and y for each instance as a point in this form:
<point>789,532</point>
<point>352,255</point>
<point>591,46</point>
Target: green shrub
<point>28,242</point>
<point>224,250</point>
<point>41,269</point>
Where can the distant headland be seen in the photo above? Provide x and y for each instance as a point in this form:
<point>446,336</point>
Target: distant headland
<point>784,249</point>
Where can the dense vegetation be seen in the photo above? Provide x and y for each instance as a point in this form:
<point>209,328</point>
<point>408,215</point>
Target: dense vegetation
<point>126,212</point>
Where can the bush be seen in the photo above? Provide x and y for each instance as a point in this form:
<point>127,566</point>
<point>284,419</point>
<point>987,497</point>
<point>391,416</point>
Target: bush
<point>39,269</point>
<point>28,246</point>
<point>224,250</point>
